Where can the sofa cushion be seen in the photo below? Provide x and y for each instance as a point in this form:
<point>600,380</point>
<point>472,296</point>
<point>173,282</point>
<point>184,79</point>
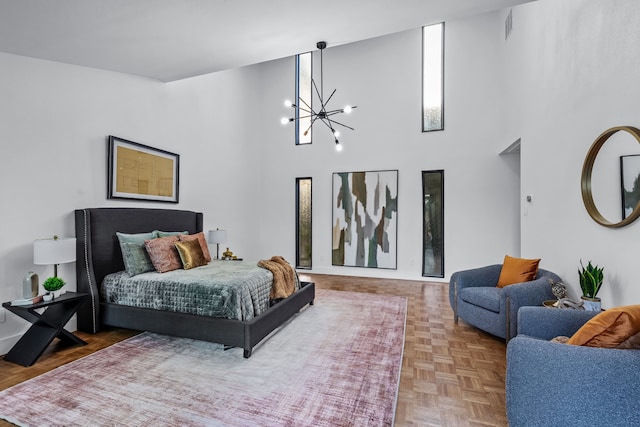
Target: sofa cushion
<point>487,297</point>
<point>614,328</point>
<point>517,270</point>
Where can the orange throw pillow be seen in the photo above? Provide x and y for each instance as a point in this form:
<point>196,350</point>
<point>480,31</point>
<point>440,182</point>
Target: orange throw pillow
<point>615,328</point>
<point>517,270</point>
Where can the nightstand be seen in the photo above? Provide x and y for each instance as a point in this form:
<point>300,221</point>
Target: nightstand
<point>45,326</point>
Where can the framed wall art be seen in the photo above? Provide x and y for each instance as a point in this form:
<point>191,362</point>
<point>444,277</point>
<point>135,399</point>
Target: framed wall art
<point>140,172</point>
<point>630,183</point>
<point>433,223</point>
<point>365,219</point>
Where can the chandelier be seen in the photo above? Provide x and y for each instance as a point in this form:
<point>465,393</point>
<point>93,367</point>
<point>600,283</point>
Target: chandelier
<point>324,115</point>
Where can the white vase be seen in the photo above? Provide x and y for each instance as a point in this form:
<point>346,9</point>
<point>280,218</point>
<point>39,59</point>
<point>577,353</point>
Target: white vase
<point>47,297</point>
<point>591,304</point>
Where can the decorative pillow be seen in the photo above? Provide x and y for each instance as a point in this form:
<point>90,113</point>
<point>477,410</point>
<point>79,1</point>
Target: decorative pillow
<point>517,270</point>
<point>190,253</point>
<point>134,254</point>
<point>169,233</point>
<point>201,239</point>
<point>163,253</point>
<point>614,328</point>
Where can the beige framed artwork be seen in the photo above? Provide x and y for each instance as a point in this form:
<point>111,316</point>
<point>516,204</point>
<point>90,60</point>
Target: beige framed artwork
<point>141,172</point>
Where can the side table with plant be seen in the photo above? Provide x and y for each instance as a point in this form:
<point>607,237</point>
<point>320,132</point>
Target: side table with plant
<point>591,278</point>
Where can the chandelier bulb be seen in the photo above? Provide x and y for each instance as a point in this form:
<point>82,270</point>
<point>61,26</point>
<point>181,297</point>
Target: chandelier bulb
<point>288,103</point>
<point>338,146</point>
<point>347,109</point>
<point>336,133</point>
<point>285,120</point>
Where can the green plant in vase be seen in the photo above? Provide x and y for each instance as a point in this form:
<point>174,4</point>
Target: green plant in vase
<point>53,284</point>
<point>591,278</point>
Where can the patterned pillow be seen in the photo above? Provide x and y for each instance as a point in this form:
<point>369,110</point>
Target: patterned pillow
<point>201,239</point>
<point>163,253</point>
<point>191,254</point>
<point>134,254</point>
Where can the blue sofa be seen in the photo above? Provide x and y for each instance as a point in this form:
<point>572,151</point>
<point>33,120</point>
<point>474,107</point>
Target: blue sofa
<point>475,298</point>
<point>552,384</point>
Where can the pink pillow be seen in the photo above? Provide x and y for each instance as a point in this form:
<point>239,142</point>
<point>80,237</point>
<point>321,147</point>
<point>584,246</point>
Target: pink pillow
<point>163,253</point>
<point>201,239</point>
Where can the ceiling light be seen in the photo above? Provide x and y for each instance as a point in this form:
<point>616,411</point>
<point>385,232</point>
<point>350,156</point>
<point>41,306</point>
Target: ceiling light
<point>324,114</point>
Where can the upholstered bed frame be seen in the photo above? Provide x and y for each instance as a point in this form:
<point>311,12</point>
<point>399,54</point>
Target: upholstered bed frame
<point>98,254</point>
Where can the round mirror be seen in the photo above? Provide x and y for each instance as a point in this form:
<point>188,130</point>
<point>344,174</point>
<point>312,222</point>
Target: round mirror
<point>587,171</point>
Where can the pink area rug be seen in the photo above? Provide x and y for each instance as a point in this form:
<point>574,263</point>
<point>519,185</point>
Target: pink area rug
<point>336,363</point>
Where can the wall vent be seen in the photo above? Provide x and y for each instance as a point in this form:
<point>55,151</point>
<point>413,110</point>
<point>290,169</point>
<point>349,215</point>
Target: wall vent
<point>508,24</point>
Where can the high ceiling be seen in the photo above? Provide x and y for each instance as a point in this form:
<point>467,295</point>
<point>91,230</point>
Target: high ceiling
<point>173,39</point>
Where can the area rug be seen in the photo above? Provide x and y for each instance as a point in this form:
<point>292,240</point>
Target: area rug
<point>336,363</point>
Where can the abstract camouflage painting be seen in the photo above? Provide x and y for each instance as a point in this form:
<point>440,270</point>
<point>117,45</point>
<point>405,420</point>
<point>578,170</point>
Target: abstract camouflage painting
<point>365,219</point>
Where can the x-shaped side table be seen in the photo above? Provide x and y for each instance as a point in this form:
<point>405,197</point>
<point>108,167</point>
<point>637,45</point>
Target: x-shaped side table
<point>45,326</point>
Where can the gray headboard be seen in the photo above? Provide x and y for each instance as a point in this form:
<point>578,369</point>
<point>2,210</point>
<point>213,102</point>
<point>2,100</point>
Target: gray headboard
<point>98,251</point>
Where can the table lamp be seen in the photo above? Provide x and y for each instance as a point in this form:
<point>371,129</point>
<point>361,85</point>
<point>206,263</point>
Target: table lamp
<point>58,250</point>
<point>216,237</point>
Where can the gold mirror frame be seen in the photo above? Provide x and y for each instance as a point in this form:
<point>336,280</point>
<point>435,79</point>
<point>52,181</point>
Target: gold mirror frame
<point>585,181</point>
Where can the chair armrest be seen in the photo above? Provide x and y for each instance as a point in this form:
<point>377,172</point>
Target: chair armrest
<point>548,323</point>
<point>551,384</point>
<point>483,276</point>
<point>534,292</point>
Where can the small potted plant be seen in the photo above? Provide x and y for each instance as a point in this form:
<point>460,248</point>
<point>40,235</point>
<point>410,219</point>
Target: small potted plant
<point>591,278</point>
<point>53,285</point>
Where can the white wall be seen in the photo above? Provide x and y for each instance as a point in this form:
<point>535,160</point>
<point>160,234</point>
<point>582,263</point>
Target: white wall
<point>575,65</point>
<point>382,77</point>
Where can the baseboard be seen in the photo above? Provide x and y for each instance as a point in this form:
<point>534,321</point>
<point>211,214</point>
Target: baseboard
<point>8,342</point>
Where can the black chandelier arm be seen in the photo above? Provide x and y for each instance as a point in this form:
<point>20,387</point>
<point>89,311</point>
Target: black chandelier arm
<point>329,99</point>
<point>327,122</point>
<point>310,109</point>
<point>315,86</point>
<point>334,112</point>
<point>341,124</point>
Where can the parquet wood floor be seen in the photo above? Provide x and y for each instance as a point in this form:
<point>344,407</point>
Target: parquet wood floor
<point>452,375</point>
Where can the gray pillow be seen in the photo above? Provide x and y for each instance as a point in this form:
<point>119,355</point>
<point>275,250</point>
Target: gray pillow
<point>169,233</point>
<point>134,254</point>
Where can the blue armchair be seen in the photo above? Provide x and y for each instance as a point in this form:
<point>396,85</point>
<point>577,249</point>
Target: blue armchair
<point>475,298</point>
<point>552,384</point>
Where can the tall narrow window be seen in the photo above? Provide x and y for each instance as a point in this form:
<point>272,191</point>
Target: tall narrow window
<point>433,223</point>
<point>303,223</point>
<point>303,98</point>
<point>433,77</point>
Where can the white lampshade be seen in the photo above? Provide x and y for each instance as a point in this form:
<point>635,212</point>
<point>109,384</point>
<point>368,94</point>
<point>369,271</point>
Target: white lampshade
<point>217,236</point>
<point>58,250</point>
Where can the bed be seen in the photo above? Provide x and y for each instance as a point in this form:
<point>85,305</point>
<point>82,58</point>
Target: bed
<point>98,254</point>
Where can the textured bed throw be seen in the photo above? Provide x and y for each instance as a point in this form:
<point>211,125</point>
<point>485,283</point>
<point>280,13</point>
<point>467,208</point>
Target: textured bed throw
<point>284,278</point>
<point>336,363</point>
